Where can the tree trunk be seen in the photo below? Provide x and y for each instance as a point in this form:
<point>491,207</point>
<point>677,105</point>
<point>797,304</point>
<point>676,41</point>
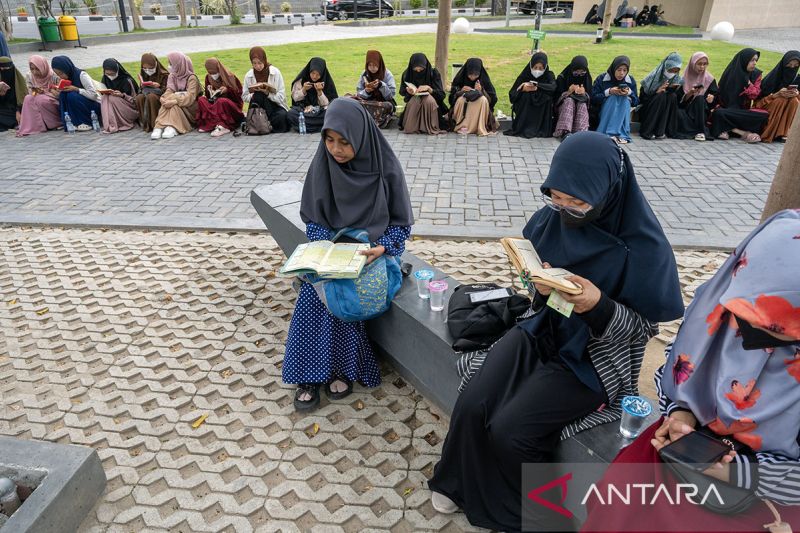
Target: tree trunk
<point>785,190</point>
<point>182,12</point>
<point>7,28</point>
<point>137,22</point>
<point>443,39</point>
<point>607,18</point>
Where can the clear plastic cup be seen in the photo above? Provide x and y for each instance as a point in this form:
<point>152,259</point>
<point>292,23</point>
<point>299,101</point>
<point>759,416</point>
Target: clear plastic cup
<point>635,411</point>
<point>437,290</point>
<point>423,277</point>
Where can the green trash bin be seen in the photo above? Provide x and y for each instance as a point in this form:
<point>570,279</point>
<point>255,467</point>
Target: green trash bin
<point>48,26</point>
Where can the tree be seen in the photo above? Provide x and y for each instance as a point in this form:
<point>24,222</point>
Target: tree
<point>137,21</point>
<point>785,190</point>
<point>182,12</point>
<point>607,18</point>
<point>443,37</point>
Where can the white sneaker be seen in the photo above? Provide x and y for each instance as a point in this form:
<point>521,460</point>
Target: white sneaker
<point>169,133</point>
<point>156,134</point>
<point>700,137</point>
<point>442,503</point>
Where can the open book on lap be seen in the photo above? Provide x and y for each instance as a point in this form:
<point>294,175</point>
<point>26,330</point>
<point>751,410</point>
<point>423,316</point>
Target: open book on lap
<point>525,259</point>
<point>414,87</point>
<point>326,259</point>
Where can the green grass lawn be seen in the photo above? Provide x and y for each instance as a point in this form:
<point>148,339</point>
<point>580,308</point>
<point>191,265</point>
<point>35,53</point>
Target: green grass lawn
<point>18,40</point>
<point>591,28</point>
<point>503,55</point>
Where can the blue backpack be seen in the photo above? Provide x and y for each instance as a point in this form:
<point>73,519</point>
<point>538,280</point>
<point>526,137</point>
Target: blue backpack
<point>363,298</point>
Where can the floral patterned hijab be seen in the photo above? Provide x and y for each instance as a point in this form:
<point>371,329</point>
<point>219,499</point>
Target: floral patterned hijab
<point>753,395</point>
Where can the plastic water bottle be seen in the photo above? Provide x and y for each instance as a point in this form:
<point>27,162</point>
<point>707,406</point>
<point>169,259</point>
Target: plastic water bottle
<point>95,122</point>
<point>301,123</point>
<point>68,123</point>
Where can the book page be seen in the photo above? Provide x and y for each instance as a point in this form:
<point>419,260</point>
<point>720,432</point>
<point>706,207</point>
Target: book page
<point>308,256</point>
<point>344,258</point>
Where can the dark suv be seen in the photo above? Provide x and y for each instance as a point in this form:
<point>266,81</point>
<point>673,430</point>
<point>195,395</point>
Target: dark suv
<point>347,9</point>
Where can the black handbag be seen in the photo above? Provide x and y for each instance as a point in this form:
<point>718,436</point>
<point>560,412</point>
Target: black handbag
<point>735,500</point>
<point>471,96</point>
<point>475,326</point>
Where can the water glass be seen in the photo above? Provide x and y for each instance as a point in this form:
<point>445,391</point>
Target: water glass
<point>635,411</point>
<point>423,277</point>
<point>437,290</point>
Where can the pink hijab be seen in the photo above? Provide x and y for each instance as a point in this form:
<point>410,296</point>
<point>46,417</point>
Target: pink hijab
<point>691,77</point>
<point>45,77</point>
<point>180,72</point>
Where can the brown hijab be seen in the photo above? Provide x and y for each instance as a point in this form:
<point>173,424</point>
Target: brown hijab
<point>374,56</point>
<point>258,53</point>
<point>226,77</point>
<point>161,74</point>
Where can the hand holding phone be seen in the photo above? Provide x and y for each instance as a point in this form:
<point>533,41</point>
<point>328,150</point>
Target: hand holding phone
<point>696,451</point>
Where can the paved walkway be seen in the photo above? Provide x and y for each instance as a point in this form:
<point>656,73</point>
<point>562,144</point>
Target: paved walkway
<point>705,194</point>
<point>121,340</point>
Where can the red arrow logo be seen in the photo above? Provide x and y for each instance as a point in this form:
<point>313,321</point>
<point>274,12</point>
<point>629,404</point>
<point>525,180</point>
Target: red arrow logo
<point>559,482</point>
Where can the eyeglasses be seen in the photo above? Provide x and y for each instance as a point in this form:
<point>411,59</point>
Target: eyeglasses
<point>574,211</point>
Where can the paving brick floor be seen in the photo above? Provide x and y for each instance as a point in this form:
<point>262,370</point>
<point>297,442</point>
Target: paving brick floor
<point>121,340</point>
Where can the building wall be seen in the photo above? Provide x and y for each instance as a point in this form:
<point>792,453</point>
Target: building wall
<point>678,12</point>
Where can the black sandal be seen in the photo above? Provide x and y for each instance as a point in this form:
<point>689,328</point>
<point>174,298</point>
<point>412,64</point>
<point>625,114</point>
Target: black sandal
<point>339,395</point>
<point>306,405</point>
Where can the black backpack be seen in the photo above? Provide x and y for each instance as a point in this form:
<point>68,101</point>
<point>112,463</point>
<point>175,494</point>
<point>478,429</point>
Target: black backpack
<point>478,325</point>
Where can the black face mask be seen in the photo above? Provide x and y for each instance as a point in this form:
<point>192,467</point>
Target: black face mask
<point>572,221</point>
<point>756,339</point>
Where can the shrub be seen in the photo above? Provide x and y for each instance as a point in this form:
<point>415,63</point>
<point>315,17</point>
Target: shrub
<point>155,9</point>
<point>460,3</point>
<point>415,4</point>
<point>479,3</point>
<point>21,11</point>
<point>214,7</point>
<point>139,5</point>
<point>286,7</point>
<point>265,9</point>
<point>91,5</point>
<point>236,17</point>
<point>433,4</point>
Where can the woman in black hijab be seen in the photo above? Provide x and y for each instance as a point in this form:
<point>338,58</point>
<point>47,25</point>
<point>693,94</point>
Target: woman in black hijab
<point>472,100</point>
<point>312,91</point>
<point>573,89</point>
<point>422,90</point>
<point>554,375</point>
<point>780,97</point>
<point>592,16</point>
<point>118,105</point>
<point>13,91</point>
<point>642,19</point>
<point>355,181</point>
<point>531,99</point>
<point>739,87</point>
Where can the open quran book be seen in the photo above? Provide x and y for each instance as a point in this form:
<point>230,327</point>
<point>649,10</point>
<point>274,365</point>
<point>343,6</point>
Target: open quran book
<point>525,259</point>
<point>326,259</point>
<point>412,86</point>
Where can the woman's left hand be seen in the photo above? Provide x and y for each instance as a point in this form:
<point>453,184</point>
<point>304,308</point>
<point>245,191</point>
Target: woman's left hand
<point>374,253</point>
<point>721,470</point>
<point>710,98</point>
<point>118,93</point>
<point>223,90</point>
<point>586,300</point>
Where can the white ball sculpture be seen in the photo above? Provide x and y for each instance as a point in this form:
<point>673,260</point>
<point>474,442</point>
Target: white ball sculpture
<point>461,25</point>
<point>722,31</point>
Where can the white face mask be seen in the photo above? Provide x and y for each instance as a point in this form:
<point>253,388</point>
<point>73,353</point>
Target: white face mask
<point>112,78</point>
<point>149,71</point>
<point>669,75</point>
<point>214,77</point>
<point>537,73</point>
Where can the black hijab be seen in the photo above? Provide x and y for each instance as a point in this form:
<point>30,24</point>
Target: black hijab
<point>566,78</point>
<point>735,78</point>
<point>123,83</point>
<point>624,251</point>
<point>618,61</point>
<point>316,64</point>
<point>428,76</point>
<point>781,76</point>
<point>473,65</point>
<point>591,14</point>
<point>546,81</point>
<point>369,192</point>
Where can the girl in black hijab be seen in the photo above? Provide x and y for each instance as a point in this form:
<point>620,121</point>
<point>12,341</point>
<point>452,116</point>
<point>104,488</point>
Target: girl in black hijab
<point>355,181</point>
<point>642,19</point>
<point>13,90</point>
<point>312,91</point>
<point>573,89</point>
<point>472,97</point>
<point>739,87</point>
<point>552,375</point>
<point>592,17</point>
<point>531,98</point>
<point>422,90</point>
<point>118,105</point>
<point>780,97</point>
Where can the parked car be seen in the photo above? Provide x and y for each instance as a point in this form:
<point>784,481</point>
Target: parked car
<point>347,9</point>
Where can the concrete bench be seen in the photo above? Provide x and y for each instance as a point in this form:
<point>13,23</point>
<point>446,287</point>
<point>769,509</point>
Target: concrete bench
<point>413,338</point>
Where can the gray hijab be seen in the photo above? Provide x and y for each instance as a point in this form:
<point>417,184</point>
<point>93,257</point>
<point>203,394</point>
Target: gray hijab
<point>369,192</point>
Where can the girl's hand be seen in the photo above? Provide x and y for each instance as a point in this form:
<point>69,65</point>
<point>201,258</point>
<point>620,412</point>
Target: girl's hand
<point>721,470</point>
<point>672,429</point>
<point>478,86</point>
<point>710,98</point>
<point>223,90</point>
<point>373,253</point>
<point>412,91</point>
<point>307,86</point>
<point>424,89</point>
<point>586,300</point>
<point>70,89</point>
<point>544,290</point>
<point>117,93</point>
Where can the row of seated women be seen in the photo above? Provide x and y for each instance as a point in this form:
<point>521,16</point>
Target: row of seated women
<point>692,105</point>
<point>732,372</point>
<point>170,102</point>
<point>646,17</point>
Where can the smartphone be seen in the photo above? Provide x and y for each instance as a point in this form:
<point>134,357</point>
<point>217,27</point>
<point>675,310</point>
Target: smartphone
<point>534,82</point>
<point>491,294</point>
<point>698,86</point>
<point>696,450</point>
<point>794,87</point>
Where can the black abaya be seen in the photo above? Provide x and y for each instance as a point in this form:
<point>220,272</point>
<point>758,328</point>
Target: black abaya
<point>512,412</point>
<point>532,112</point>
<point>693,114</point>
<point>275,113</point>
<point>724,119</point>
<point>658,114</point>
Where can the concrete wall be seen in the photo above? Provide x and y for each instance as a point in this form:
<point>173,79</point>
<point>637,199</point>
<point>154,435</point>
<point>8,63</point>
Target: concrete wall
<point>743,14</point>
